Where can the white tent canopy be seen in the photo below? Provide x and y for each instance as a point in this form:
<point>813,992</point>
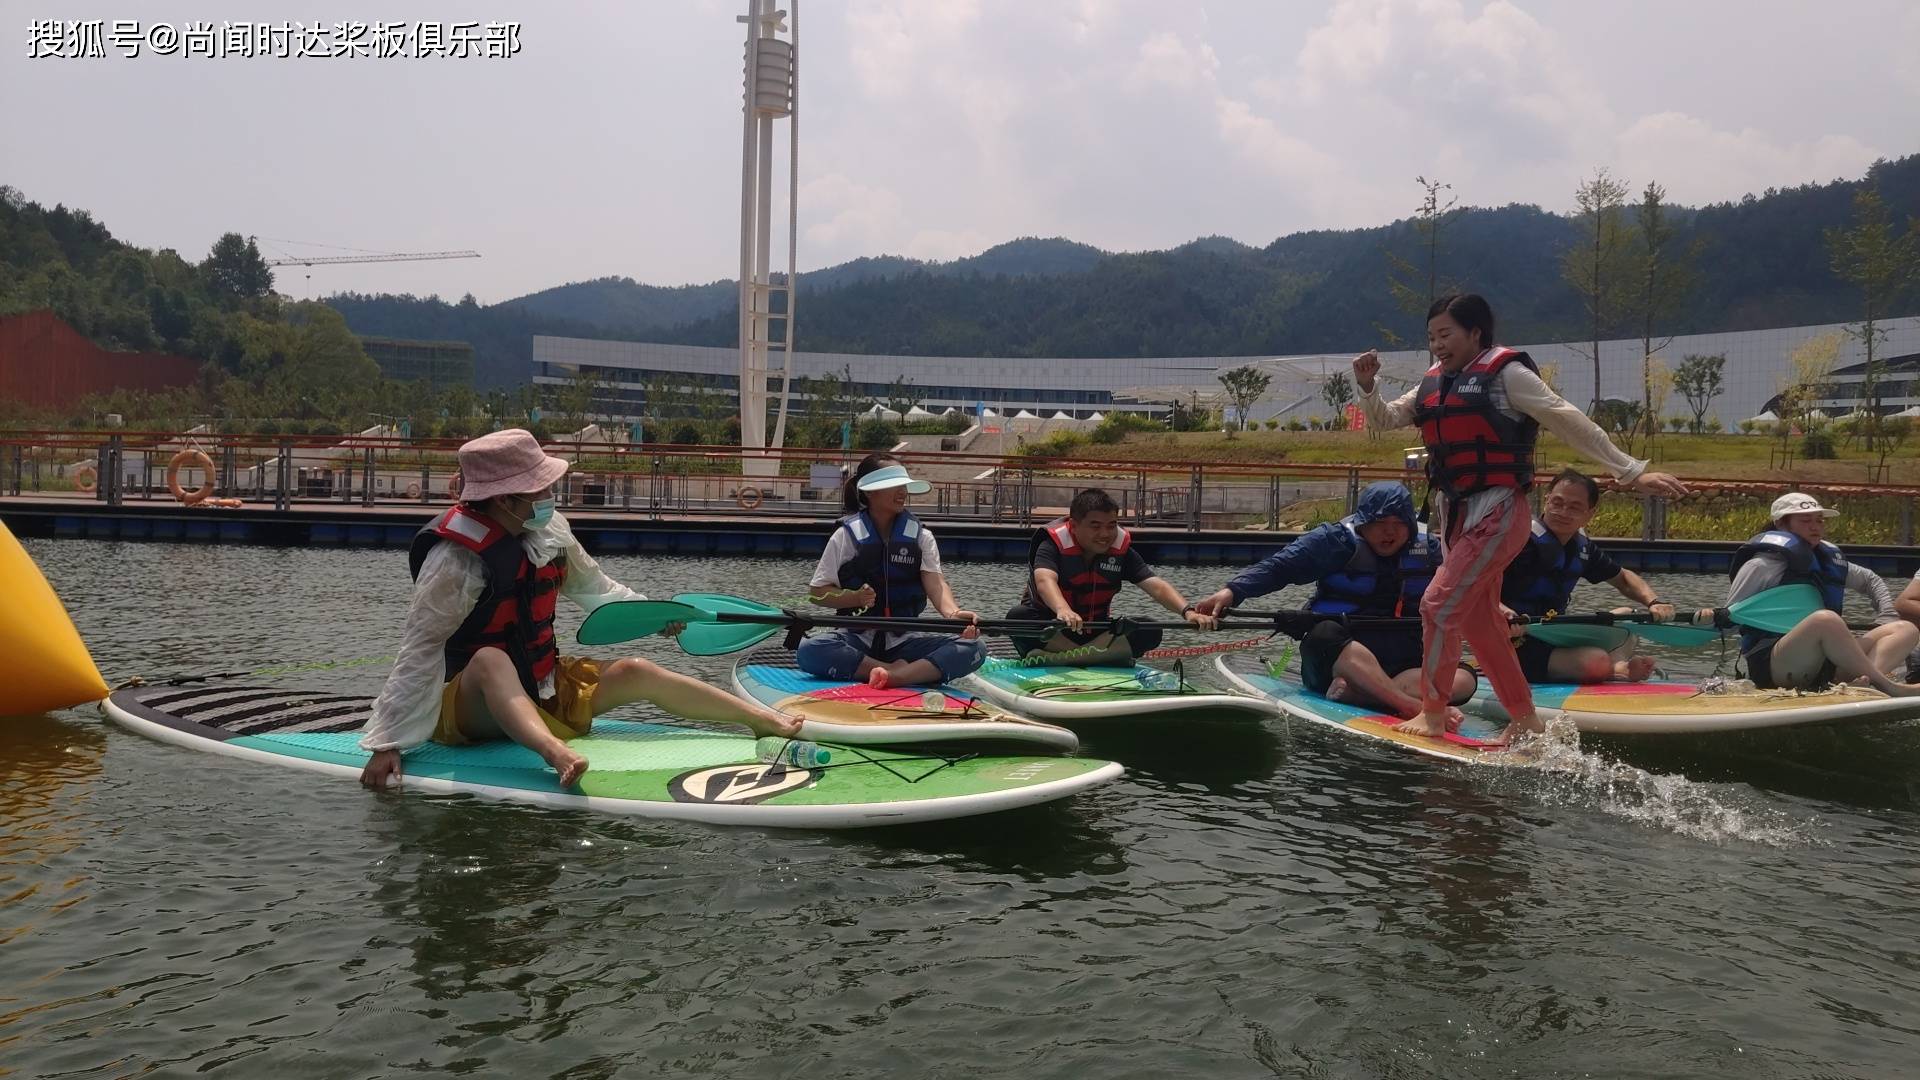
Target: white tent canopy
<point>1059,416</point>
<point>1096,418</point>
<point>880,412</point>
<point>1908,413</point>
<point>1024,415</point>
<point>1766,417</point>
<point>918,413</point>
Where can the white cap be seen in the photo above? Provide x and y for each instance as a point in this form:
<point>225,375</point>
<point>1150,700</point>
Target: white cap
<point>1793,502</point>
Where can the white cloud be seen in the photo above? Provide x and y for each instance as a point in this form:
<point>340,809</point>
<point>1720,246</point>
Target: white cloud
<point>847,216</point>
<point>1164,60</point>
<point>1697,163</point>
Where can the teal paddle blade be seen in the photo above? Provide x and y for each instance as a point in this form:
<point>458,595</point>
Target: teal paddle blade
<point>720,638</point>
<point>1670,634</point>
<point>1573,635</point>
<point>1777,610</point>
<point>627,620</point>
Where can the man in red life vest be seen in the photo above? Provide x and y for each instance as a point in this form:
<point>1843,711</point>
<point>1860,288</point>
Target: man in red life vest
<point>478,659</point>
<point>1075,567</point>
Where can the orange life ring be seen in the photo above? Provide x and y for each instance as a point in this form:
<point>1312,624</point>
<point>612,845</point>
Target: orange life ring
<point>453,488</point>
<point>86,478</point>
<point>748,497</point>
<point>413,490</point>
<point>190,457</point>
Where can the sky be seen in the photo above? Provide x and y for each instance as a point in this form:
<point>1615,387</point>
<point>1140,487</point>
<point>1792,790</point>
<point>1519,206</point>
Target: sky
<point>610,142</point>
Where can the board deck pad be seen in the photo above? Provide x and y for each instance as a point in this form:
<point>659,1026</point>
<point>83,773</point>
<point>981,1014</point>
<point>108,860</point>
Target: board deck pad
<point>853,712</point>
<point>648,769</point>
<point>1069,693</point>
<point>1649,708</point>
<point>1251,671</point>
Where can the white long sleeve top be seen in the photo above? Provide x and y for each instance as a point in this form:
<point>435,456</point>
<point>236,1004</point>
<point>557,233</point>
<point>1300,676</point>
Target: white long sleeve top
<point>451,582</point>
<point>1518,391</point>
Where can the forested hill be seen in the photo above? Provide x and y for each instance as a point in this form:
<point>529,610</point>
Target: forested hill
<point>1760,262</point>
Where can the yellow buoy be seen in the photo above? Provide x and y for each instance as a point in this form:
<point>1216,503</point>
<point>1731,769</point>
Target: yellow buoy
<point>43,663</point>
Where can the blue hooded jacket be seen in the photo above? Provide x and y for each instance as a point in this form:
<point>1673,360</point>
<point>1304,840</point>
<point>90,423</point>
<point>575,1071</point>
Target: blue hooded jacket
<point>1333,555</point>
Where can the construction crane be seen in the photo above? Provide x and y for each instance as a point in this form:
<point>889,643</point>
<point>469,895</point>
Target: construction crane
<point>361,255</point>
<point>397,256</point>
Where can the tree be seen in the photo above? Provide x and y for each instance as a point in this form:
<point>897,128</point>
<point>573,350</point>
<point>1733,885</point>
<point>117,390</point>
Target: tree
<point>235,271</point>
<point>1698,380</point>
<point>1883,265</point>
<point>1414,287</point>
<point>1810,371</point>
<point>1664,277</point>
<point>1598,268</point>
<point>1338,390</point>
<point>902,395</point>
<point>1244,386</point>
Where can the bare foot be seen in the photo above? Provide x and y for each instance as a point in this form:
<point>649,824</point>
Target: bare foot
<point>1337,689</point>
<point>1455,718</point>
<point>1525,725</point>
<point>768,722</point>
<point>1638,668</point>
<point>569,765</point>
<point>1433,727</point>
<point>880,678</point>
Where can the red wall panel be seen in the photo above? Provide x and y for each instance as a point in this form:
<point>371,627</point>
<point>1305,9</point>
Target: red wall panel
<point>47,364</point>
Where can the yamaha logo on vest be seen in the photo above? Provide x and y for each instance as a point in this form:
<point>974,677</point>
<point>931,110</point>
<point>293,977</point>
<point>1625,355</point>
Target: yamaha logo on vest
<point>740,784</point>
<point>901,557</point>
<point>1110,566</point>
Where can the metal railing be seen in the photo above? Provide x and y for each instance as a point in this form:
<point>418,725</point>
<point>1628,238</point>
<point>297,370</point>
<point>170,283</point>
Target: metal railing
<point>284,472</point>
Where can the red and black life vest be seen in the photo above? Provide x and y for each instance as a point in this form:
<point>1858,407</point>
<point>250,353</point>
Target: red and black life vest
<point>1472,445</point>
<point>515,611</point>
<point>1088,582</point>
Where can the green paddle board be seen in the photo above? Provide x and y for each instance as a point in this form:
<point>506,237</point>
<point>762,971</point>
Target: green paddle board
<point>649,770</point>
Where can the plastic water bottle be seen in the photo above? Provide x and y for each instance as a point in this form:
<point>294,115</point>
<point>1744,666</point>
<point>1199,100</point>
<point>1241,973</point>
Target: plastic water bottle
<point>797,753</point>
<point>934,701</point>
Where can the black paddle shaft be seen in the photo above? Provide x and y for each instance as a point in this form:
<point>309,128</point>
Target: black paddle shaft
<point>1298,624</point>
<point>1002,627</point>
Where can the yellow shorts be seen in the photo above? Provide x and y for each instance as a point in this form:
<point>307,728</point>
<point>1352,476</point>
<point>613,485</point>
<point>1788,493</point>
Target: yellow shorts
<point>568,713</point>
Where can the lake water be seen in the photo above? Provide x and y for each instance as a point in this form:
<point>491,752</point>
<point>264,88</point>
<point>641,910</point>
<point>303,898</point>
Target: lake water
<point>1247,902</point>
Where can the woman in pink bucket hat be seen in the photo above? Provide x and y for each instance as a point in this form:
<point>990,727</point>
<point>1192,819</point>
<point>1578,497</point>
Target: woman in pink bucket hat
<point>1794,550</point>
<point>478,659</point>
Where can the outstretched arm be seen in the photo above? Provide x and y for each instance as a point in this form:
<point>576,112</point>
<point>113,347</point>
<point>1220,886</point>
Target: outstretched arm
<point>1526,392</point>
<point>1874,588</point>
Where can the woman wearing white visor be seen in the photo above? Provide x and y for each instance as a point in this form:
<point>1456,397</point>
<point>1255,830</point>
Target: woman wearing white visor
<point>1794,550</point>
<point>882,561</point>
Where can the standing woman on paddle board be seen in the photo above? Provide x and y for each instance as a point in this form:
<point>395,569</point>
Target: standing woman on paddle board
<point>478,659</point>
<point>882,561</point>
<point>1479,409</point>
<point>1795,551</point>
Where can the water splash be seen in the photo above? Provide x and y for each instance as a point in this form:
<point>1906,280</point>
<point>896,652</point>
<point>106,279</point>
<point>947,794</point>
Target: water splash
<point>1566,775</point>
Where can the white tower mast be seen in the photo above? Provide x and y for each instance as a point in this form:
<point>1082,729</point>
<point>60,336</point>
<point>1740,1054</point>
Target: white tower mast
<point>772,92</point>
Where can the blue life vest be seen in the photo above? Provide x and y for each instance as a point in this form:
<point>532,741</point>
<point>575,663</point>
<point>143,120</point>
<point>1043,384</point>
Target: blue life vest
<point>891,564</point>
<point>1541,578</point>
<point>1823,567</point>
<point>1370,585</point>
